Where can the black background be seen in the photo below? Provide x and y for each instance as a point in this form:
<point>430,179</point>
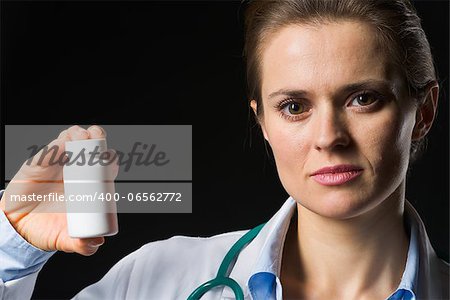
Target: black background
<point>174,63</point>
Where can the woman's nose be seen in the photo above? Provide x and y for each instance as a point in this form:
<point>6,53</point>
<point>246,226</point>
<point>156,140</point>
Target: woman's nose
<point>331,131</point>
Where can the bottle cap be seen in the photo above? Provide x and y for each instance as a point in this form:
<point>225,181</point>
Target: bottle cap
<point>98,145</point>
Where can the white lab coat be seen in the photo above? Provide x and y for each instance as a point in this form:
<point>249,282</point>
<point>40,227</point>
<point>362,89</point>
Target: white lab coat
<point>173,268</point>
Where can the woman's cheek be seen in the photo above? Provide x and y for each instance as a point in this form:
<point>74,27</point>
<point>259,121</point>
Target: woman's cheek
<point>286,140</point>
<point>386,142</point>
<point>289,147</point>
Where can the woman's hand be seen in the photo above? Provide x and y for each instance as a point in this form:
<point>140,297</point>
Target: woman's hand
<point>40,222</point>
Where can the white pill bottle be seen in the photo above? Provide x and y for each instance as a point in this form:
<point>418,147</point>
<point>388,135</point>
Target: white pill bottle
<point>89,190</point>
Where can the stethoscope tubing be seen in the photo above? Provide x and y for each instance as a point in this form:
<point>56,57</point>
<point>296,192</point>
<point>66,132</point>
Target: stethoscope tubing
<point>222,278</point>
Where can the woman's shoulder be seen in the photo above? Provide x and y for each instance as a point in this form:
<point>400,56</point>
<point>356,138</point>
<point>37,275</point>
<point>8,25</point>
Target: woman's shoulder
<point>181,251</point>
<point>169,268</point>
<point>164,269</point>
<point>442,276</point>
<point>189,245</point>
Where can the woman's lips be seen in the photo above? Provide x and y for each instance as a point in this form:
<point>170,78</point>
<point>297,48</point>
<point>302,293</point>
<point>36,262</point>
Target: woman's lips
<point>336,175</point>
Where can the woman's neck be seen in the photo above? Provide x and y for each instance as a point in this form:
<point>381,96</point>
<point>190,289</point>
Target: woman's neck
<point>356,258</point>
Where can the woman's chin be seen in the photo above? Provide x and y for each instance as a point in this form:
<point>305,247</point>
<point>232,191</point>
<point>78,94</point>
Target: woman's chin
<point>338,206</point>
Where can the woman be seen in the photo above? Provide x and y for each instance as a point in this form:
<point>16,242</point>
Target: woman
<point>344,91</point>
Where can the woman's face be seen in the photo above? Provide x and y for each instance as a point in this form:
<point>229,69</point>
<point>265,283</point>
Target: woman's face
<point>331,99</point>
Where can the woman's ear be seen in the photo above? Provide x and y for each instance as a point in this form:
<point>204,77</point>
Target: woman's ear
<point>254,106</point>
<point>426,112</point>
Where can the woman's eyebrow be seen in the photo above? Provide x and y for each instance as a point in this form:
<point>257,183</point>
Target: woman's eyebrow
<point>289,92</point>
<point>383,85</point>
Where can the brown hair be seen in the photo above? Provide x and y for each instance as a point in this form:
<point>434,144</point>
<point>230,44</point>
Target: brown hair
<point>399,32</point>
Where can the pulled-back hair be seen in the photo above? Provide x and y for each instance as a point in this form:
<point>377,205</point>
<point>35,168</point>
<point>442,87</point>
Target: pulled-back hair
<point>397,26</point>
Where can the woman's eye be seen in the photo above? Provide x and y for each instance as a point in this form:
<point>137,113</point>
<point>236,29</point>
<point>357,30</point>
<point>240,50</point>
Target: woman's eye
<point>295,108</point>
<point>364,99</point>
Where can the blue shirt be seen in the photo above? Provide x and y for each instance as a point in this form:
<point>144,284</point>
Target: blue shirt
<point>18,257</point>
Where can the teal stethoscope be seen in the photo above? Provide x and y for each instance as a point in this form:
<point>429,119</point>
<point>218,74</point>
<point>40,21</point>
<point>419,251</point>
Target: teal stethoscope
<point>222,275</point>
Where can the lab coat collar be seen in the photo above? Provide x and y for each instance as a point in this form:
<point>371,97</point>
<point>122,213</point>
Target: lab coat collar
<point>410,274</point>
<point>266,247</point>
<point>429,268</point>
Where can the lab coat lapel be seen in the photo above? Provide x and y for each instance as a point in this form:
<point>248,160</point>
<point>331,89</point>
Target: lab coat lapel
<point>431,267</point>
<point>267,242</point>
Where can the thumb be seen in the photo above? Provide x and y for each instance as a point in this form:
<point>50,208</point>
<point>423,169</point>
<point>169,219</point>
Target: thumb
<point>87,246</point>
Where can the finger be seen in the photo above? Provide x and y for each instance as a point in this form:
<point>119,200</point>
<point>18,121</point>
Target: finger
<point>52,154</point>
<point>64,135</point>
<point>96,132</point>
<point>87,246</point>
<point>77,133</point>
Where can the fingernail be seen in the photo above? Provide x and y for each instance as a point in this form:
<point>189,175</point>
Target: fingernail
<point>97,129</point>
<point>94,244</point>
<point>81,130</point>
